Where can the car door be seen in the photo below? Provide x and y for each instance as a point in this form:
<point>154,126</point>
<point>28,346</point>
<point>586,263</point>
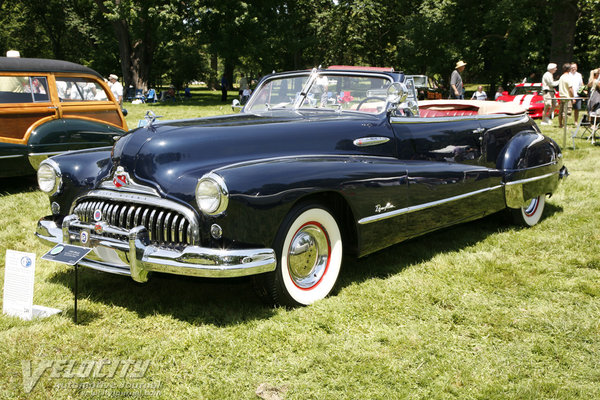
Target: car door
<point>86,97</point>
<point>25,102</point>
<point>448,180</point>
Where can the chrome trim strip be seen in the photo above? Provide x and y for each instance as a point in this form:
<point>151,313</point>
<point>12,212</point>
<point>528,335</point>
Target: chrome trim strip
<point>535,178</point>
<point>430,120</point>
<point>301,156</point>
<point>13,156</point>
<point>406,210</point>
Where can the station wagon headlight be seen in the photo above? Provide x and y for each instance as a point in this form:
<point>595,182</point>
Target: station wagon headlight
<point>211,194</point>
<point>49,177</point>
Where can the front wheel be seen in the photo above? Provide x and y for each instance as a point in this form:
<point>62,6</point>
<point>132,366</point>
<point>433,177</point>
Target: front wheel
<point>531,213</point>
<point>309,251</point>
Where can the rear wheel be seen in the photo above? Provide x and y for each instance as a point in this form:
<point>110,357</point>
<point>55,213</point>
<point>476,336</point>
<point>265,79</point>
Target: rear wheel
<point>309,251</point>
<point>531,213</point>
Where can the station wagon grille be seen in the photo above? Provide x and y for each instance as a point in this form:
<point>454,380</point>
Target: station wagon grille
<point>165,226</point>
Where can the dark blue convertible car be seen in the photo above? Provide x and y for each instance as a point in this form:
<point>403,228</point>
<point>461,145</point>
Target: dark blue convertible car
<point>318,164</point>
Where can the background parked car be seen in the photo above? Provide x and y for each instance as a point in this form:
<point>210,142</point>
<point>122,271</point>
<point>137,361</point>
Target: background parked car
<point>528,95</point>
<point>48,107</point>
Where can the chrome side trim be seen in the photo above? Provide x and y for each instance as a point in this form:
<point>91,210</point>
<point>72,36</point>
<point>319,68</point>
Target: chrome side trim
<point>301,156</point>
<point>535,178</point>
<point>406,210</point>
<point>13,156</point>
<point>35,159</point>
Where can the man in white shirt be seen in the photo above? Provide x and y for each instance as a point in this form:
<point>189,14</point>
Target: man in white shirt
<point>548,85</point>
<point>116,88</point>
<point>577,81</point>
<point>479,94</point>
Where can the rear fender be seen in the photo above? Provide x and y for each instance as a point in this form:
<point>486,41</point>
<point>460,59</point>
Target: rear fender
<point>532,165</point>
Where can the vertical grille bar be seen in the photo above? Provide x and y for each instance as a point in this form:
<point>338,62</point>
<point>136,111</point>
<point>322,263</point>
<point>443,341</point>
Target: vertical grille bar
<point>164,226</point>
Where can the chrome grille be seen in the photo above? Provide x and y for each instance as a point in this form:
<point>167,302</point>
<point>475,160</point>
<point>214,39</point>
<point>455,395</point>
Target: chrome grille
<point>164,226</point>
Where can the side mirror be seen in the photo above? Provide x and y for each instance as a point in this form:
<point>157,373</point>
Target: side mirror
<point>235,104</point>
<point>124,111</point>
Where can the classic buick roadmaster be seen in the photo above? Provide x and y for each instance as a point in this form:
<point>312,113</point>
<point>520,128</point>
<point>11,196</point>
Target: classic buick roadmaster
<point>48,107</point>
<point>317,164</point>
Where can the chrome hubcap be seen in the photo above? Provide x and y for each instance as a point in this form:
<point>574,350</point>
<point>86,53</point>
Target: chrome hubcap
<point>308,255</point>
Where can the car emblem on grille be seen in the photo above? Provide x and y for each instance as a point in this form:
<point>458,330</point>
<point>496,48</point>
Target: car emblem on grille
<point>97,215</point>
<point>121,178</point>
<point>84,236</point>
<point>98,228</point>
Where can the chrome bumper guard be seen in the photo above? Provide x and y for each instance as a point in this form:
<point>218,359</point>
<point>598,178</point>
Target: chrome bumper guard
<point>129,252</point>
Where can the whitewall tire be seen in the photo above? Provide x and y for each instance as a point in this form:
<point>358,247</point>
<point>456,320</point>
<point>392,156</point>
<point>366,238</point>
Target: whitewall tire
<point>309,251</point>
<point>531,213</point>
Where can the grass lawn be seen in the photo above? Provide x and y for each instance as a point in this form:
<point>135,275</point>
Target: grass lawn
<point>483,310</point>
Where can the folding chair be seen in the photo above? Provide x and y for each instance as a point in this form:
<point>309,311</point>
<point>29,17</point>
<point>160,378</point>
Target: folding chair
<point>594,117</point>
<point>139,95</point>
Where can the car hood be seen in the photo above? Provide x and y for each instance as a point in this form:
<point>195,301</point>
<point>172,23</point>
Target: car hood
<point>171,156</point>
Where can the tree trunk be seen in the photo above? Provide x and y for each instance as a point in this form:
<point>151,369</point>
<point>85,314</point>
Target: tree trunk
<point>564,20</point>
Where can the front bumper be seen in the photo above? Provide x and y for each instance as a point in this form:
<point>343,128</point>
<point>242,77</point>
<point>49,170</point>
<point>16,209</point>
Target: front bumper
<point>129,252</point>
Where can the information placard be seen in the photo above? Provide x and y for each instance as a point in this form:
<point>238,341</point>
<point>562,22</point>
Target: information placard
<point>66,254</point>
<point>19,275</point>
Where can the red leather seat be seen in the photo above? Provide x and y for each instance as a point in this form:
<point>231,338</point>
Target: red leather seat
<point>428,113</point>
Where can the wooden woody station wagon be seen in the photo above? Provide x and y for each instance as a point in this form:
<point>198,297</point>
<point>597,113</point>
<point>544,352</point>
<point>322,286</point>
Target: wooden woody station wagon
<point>49,107</point>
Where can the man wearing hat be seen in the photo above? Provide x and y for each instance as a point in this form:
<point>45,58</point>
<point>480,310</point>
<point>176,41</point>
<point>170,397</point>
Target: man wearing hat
<point>548,85</point>
<point>456,83</point>
<point>115,87</point>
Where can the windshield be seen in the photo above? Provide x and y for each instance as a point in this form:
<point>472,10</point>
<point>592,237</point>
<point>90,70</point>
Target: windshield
<point>526,90</point>
<point>366,93</point>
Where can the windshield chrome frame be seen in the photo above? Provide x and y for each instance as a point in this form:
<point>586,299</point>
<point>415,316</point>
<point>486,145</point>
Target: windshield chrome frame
<point>312,77</point>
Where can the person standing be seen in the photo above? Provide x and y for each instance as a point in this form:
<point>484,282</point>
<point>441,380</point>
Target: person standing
<point>224,87</point>
<point>116,88</point>
<point>577,81</point>
<point>479,94</point>
<point>499,92</point>
<point>565,90</point>
<point>456,83</point>
<point>548,85</point>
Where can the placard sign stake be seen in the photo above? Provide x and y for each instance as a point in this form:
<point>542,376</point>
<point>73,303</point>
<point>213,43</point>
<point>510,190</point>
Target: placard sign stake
<point>71,255</point>
<point>75,293</point>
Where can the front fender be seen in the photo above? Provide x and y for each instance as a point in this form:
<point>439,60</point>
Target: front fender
<point>262,193</point>
<point>60,135</point>
<point>80,172</point>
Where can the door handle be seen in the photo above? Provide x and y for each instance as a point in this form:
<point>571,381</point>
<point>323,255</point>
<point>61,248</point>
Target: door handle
<point>479,131</point>
<point>370,141</point>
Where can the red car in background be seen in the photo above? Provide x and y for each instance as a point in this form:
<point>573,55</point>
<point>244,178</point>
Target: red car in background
<point>528,95</point>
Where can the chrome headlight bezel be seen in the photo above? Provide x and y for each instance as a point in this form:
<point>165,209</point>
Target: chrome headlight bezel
<point>50,172</point>
<point>212,196</point>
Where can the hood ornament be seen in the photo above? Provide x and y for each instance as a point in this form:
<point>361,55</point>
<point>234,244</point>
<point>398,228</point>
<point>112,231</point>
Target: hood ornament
<point>121,178</point>
<point>150,118</point>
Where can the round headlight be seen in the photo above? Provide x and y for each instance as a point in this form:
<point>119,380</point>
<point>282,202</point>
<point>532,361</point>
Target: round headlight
<point>48,177</point>
<point>211,194</point>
